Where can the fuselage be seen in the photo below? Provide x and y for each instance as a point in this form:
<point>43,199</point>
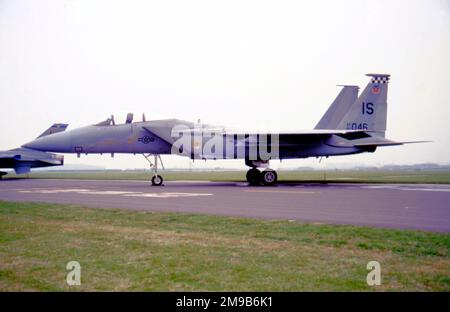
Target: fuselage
<point>352,124</point>
<point>159,137</point>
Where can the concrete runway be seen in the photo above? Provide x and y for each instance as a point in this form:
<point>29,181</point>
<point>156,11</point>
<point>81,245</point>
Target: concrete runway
<point>423,207</point>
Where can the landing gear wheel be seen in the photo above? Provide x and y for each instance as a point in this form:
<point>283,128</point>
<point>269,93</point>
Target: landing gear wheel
<point>253,176</point>
<point>269,177</point>
<point>157,180</point>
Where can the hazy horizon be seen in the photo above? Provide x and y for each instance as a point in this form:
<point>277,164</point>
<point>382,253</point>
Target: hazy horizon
<point>249,63</point>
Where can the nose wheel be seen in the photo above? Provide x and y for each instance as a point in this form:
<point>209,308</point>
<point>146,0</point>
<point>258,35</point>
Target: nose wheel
<point>266,177</point>
<point>157,180</point>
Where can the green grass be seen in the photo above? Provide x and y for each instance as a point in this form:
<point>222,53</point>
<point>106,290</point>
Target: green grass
<point>124,250</point>
<point>340,176</point>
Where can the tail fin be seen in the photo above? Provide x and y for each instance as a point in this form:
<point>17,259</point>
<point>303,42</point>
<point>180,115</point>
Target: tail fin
<point>55,128</point>
<point>338,108</point>
<point>369,111</point>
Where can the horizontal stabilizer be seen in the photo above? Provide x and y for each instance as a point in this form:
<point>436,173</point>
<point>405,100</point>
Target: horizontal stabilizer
<point>388,143</point>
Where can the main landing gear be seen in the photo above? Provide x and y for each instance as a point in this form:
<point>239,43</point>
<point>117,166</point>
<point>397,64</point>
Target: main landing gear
<point>266,177</point>
<point>157,180</point>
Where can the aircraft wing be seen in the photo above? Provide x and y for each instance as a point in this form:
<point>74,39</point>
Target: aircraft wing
<point>338,138</point>
<point>24,154</point>
<point>255,132</point>
<point>299,138</point>
<point>23,159</point>
<point>332,137</point>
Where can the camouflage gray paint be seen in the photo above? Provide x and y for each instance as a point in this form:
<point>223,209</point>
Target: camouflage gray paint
<point>351,125</point>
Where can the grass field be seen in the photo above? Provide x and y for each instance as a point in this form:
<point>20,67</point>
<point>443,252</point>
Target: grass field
<point>341,176</point>
<point>122,250</point>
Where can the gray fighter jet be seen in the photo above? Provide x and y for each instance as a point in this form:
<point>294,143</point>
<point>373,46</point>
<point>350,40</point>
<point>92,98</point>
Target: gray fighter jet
<point>353,124</point>
<point>23,159</point>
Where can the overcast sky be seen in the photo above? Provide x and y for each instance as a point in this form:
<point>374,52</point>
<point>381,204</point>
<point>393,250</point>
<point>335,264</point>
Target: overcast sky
<point>254,63</point>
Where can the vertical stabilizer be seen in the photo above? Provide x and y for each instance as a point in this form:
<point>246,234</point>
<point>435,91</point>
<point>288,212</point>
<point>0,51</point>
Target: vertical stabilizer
<point>338,108</point>
<point>369,111</point>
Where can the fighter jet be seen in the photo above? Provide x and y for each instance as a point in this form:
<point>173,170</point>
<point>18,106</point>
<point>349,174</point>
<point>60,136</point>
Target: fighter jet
<point>23,159</point>
<point>353,124</point>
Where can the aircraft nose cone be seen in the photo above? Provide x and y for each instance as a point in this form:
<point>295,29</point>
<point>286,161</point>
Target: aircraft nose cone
<point>58,142</point>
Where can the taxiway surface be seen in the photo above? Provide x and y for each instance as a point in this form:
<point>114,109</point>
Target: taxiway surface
<point>422,207</point>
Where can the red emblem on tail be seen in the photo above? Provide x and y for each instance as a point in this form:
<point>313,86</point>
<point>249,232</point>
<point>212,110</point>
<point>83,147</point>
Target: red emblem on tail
<point>376,89</point>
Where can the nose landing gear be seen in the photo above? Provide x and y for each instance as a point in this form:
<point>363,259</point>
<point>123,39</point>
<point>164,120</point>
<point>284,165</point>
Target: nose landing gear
<point>157,180</point>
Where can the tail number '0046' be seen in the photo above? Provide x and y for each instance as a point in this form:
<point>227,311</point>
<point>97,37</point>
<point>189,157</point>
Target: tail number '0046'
<point>357,126</point>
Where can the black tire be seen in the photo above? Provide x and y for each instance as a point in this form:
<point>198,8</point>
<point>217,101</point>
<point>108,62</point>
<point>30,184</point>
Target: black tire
<point>157,180</point>
<point>253,176</point>
<point>269,177</point>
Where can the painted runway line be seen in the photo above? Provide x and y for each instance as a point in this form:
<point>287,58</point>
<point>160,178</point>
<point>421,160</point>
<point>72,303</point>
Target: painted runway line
<point>408,188</point>
<point>280,191</point>
<point>109,192</point>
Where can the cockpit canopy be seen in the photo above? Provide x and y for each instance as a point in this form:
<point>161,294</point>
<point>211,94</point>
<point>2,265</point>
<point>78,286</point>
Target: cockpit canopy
<point>111,122</point>
<point>107,122</point>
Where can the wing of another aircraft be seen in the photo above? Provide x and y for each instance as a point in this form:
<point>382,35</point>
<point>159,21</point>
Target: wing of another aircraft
<point>23,159</point>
